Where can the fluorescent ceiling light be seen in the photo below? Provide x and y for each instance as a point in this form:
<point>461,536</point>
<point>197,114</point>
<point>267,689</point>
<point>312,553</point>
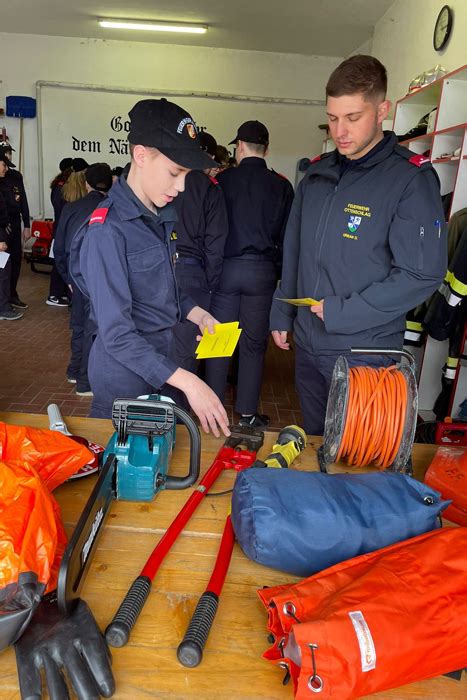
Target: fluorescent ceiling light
<point>153,26</point>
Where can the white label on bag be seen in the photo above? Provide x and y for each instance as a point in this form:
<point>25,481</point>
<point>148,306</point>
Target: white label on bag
<point>365,641</point>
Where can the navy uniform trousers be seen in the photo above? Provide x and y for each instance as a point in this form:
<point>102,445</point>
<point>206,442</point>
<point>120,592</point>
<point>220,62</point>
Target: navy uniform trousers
<point>83,331</point>
<point>313,374</point>
<point>245,294</point>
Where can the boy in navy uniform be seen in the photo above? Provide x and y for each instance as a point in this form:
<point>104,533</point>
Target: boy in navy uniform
<point>7,312</point>
<point>258,203</point>
<point>124,261</point>
<point>366,238</point>
<point>201,229</point>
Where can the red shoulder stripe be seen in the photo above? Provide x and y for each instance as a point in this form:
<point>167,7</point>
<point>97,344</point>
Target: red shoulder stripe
<point>213,180</point>
<point>315,159</point>
<point>419,160</point>
<point>98,216</point>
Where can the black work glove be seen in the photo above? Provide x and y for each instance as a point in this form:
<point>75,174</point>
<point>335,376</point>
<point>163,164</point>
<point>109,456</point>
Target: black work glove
<point>70,644</point>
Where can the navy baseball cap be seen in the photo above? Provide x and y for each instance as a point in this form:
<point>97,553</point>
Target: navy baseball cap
<point>99,176</point>
<point>252,132</point>
<point>169,128</point>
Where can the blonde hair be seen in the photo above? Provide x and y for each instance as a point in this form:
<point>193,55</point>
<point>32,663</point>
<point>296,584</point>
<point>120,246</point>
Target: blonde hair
<point>75,186</point>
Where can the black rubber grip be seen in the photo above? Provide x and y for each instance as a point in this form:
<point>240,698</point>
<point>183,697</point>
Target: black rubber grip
<point>118,632</point>
<point>190,650</point>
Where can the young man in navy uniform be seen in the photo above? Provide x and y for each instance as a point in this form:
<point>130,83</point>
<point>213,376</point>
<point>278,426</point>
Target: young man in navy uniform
<point>258,203</point>
<point>18,209</point>
<point>7,312</point>
<point>124,261</point>
<point>366,237</point>
<point>201,230</point>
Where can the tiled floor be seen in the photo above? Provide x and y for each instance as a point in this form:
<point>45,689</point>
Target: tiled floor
<point>34,353</point>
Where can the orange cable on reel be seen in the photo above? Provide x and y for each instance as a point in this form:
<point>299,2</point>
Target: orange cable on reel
<point>375,419</point>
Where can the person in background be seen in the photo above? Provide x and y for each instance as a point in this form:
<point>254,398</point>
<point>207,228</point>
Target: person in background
<point>258,202</point>
<point>66,168</point>
<point>123,260</point>
<point>18,210</point>
<point>201,230</point>
<point>7,311</point>
<point>74,214</point>
<point>116,172</point>
<point>71,190</point>
<point>365,238</point>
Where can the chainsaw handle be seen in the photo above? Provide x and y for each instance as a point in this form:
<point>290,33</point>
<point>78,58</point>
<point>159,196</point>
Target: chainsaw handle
<point>182,482</point>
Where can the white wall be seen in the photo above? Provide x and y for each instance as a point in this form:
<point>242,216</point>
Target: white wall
<point>403,41</point>
<point>33,58</point>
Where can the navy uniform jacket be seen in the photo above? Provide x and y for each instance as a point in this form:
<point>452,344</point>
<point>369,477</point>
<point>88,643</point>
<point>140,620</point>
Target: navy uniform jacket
<point>258,203</point>
<point>202,224</point>
<point>13,195</point>
<point>15,179</point>
<point>73,215</point>
<point>123,261</point>
<point>370,240</point>
<point>57,201</point>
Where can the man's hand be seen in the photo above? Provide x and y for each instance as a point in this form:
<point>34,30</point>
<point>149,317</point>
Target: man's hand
<point>202,319</point>
<point>3,247</point>
<point>318,309</point>
<point>203,401</point>
<point>26,234</point>
<point>280,339</point>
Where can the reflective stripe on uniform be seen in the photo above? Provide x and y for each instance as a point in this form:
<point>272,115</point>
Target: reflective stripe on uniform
<point>458,287</point>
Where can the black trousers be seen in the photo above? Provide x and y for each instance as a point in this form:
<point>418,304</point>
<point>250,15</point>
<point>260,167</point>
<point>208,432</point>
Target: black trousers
<point>83,331</point>
<point>313,374</point>
<point>58,287</point>
<point>245,295</point>
<point>16,253</point>
<point>5,287</point>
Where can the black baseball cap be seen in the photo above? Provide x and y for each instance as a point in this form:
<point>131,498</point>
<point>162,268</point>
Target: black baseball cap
<point>79,164</point>
<point>166,126</point>
<point>208,143</point>
<point>6,160</point>
<point>252,132</point>
<point>99,176</point>
<point>65,164</point>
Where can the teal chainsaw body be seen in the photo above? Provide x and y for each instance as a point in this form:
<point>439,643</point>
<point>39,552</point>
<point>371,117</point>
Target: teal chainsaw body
<point>142,447</point>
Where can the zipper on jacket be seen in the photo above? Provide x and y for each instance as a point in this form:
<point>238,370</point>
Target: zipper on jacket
<point>421,238</point>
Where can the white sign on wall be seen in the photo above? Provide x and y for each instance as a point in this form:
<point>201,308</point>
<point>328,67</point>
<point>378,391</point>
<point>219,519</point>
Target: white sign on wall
<point>92,123</point>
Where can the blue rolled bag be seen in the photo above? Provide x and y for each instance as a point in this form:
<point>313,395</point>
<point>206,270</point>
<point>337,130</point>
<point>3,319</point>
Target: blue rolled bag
<point>304,522</point>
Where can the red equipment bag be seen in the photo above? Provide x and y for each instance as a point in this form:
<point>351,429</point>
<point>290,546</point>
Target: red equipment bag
<point>42,232</point>
<point>448,474</point>
<point>374,622</point>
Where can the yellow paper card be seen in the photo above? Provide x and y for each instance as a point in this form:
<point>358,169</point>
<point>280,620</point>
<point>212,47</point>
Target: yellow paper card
<point>307,301</point>
<point>222,343</point>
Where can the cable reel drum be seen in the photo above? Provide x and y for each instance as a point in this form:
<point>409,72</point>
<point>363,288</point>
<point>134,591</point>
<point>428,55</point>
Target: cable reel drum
<point>338,407</point>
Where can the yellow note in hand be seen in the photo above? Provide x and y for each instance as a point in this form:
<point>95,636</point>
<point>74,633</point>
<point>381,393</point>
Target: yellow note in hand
<point>307,301</point>
<point>222,343</point>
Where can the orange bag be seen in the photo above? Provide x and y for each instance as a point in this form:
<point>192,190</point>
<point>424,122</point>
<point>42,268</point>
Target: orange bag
<point>32,537</point>
<point>374,622</point>
<point>448,474</point>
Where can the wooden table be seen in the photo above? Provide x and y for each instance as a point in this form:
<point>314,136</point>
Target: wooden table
<point>232,667</point>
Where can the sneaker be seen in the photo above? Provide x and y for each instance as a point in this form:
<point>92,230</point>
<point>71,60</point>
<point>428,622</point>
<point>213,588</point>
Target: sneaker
<point>17,303</point>
<point>84,393</point>
<point>57,301</point>
<point>257,420</point>
<point>11,315</point>
<point>71,380</point>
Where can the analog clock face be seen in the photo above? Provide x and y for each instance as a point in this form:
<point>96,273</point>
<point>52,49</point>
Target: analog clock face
<point>443,28</point>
